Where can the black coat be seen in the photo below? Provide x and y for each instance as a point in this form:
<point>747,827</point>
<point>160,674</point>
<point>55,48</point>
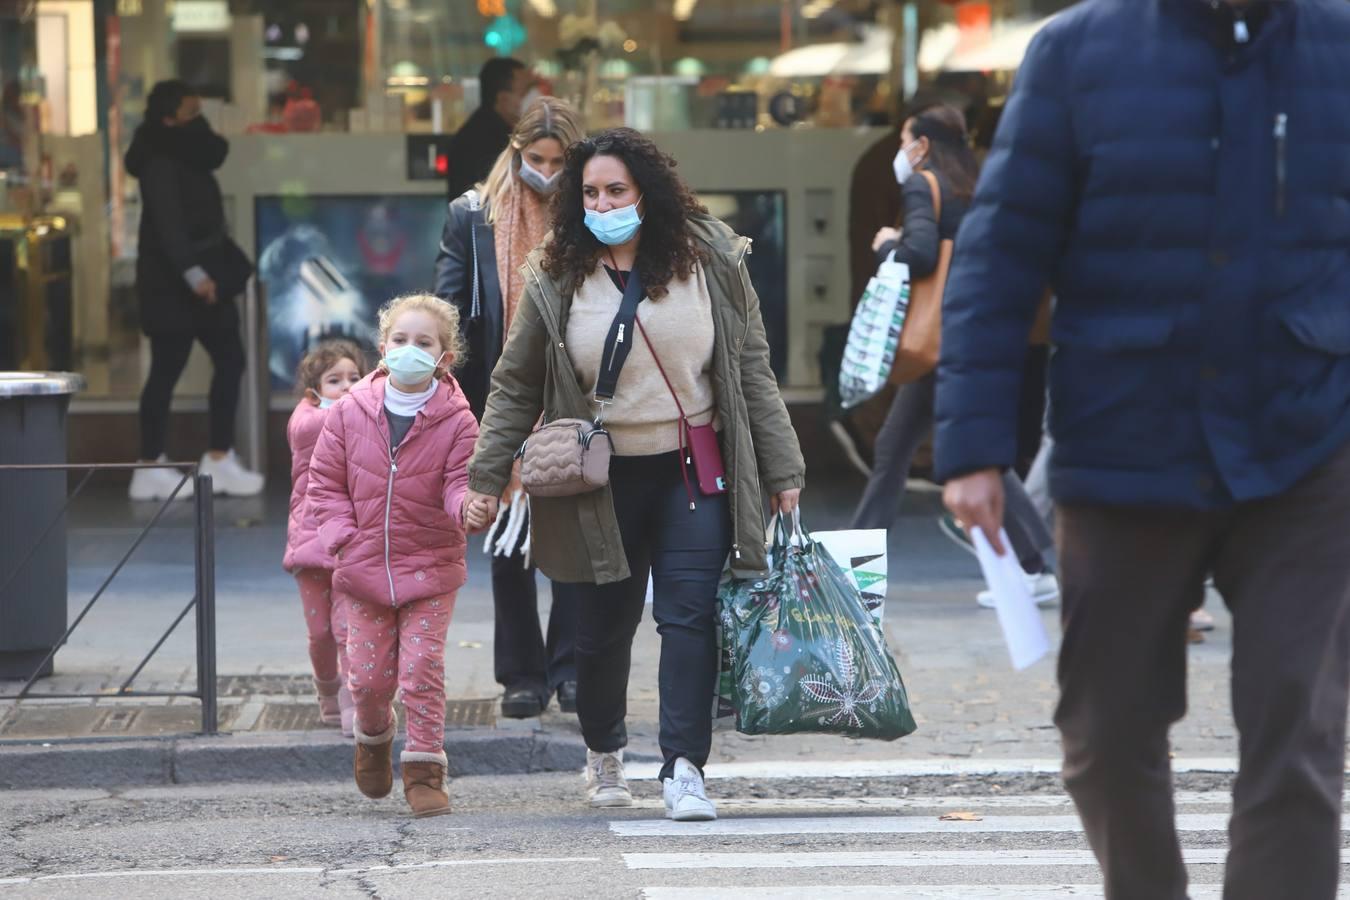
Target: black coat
<point>182,218</point>
<point>474,149</point>
<point>922,235</point>
<point>454,282</point>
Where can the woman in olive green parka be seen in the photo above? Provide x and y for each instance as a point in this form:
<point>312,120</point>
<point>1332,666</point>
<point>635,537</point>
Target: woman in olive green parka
<point>621,212</point>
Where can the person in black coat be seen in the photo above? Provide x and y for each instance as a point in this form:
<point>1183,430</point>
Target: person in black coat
<point>187,273</point>
<point>934,140</point>
<point>488,231</point>
<point>503,83</point>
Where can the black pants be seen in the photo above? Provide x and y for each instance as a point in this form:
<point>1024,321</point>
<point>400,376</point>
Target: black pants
<point>685,552</point>
<point>1131,578</point>
<point>907,426</point>
<point>522,658</point>
<point>168,356</point>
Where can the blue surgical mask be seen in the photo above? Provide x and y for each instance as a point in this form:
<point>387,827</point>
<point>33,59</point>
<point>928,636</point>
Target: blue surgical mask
<point>544,185</point>
<point>409,364</point>
<point>325,402</point>
<point>616,226</point>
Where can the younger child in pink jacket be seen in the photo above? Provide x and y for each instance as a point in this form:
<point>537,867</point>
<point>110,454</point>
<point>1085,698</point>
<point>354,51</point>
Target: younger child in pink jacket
<point>325,375</point>
<point>387,483</point>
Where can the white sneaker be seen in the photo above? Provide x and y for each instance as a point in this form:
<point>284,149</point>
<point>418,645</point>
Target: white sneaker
<point>1044,590</point>
<point>229,477</point>
<point>158,484</point>
<point>686,800</point>
<point>605,785</point>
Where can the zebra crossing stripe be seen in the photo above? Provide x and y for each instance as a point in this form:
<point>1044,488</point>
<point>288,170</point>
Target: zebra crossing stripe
<point>907,768</point>
<point>909,892</point>
<point>893,859</point>
<point>882,892</point>
<point>974,802</point>
<point>1187,822</point>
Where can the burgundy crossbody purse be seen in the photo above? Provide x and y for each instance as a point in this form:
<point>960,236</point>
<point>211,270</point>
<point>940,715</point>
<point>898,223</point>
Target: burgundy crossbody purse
<point>699,446</point>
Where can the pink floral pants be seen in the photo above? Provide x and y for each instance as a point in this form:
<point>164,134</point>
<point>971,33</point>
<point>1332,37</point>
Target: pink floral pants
<point>326,622</point>
<point>400,650</point>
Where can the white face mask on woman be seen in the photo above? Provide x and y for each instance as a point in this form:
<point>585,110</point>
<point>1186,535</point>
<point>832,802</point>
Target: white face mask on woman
<point>902,165</point>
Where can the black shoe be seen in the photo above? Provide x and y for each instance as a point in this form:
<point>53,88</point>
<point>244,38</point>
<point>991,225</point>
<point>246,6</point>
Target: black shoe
<point>567,696</point>
<point>521,703</point>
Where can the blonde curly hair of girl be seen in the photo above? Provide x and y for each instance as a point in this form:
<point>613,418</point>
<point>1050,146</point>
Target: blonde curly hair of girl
<point>447,324</point>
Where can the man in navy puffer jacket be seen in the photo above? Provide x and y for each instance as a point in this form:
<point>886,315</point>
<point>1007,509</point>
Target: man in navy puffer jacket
<point>1179,172</point>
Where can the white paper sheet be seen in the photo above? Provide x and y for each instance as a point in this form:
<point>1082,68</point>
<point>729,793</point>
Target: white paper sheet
<point>1023,628</point>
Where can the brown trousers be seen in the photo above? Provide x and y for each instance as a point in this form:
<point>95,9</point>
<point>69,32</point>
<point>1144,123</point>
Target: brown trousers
<point>1130,578</point>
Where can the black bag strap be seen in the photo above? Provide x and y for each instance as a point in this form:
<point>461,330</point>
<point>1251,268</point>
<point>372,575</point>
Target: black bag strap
<point>619,342</point>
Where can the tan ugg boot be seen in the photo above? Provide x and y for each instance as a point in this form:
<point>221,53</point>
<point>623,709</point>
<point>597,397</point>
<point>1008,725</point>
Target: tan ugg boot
<point>374,766</point>
<point>424,783</point>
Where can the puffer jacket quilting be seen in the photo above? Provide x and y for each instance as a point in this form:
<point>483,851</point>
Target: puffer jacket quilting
<point>303,550</point>
<point>1188,198</point>
<point>401,540</point>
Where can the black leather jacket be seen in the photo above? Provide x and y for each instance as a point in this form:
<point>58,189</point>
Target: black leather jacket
<point>455,272</point>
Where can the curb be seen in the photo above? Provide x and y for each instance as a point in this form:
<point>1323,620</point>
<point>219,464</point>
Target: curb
<point>272,757</point>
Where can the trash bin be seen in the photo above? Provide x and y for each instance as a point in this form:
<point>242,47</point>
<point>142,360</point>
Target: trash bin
<point>33,409</point>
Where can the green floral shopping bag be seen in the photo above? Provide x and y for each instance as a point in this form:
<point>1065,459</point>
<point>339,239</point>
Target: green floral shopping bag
<point>801,653</point>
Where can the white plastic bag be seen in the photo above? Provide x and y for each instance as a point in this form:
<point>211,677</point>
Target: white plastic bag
<point>874,335</point>
<point>861,553</point>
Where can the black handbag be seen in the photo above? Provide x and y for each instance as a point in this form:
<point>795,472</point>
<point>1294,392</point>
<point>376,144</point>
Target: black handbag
<point>229,267</point>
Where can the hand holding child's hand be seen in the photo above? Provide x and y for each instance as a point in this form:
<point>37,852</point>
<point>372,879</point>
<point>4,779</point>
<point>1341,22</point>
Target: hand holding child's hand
<point>480,511</point>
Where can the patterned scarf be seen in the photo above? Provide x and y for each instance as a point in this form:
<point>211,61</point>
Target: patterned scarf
<point>521,225</point>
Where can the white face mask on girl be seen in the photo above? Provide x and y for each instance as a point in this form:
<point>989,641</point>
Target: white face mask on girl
<point>902,165</point>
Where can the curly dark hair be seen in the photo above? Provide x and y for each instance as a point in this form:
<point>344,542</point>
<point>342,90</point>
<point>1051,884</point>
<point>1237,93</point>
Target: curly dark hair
<point>667,249</point>
<point>324,357</point>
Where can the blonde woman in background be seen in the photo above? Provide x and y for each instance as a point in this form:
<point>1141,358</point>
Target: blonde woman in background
<point>488,232</point>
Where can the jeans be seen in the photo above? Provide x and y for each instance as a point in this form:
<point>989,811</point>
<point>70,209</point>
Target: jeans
<point>684,550</point>
<point>169,354</point>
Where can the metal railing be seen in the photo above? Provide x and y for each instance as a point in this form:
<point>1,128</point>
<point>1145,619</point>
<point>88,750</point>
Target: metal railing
<point>203,600</point>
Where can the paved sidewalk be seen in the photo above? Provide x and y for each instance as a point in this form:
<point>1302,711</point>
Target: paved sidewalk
<point>967,700</point>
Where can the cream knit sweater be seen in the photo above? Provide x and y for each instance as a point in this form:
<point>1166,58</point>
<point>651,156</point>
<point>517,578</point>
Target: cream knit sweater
<point>643,419</point>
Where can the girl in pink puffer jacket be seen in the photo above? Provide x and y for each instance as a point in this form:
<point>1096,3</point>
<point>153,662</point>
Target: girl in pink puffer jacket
<point>387,483</point>
<point>325,374</point>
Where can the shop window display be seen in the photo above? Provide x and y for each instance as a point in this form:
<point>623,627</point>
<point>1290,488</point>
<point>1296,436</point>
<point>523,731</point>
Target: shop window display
<point>328,263</point>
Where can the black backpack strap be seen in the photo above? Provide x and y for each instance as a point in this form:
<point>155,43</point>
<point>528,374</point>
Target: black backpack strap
<point>619,342</point>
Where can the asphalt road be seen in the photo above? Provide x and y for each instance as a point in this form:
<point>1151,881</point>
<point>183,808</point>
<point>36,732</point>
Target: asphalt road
<point>828,837</point>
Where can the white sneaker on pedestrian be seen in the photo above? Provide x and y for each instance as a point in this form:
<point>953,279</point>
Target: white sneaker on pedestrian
<point>606,787</point>
<point>229,477</point>
<point>686,800</point>
<point>1044,590</point>
<point>158,484</point>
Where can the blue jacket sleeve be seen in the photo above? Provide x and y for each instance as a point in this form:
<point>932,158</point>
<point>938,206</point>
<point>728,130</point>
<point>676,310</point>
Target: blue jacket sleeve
<point>1005,254</point>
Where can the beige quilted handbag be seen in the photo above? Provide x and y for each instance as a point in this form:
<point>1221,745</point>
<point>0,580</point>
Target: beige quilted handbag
<point>564,458</point>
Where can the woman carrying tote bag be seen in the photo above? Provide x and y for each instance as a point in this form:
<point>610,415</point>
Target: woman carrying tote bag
<point>631,243</point>
<point>488,232</point>
<point>937,171</point>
